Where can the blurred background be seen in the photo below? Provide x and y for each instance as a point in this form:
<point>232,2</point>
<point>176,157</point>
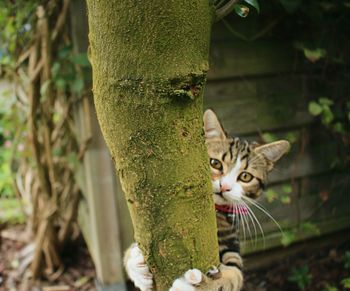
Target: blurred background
<point>280,72</point>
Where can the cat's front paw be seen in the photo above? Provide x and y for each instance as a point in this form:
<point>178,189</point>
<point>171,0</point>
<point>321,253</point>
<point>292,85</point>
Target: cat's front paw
<point>137,268</point>
<point>188,282</point>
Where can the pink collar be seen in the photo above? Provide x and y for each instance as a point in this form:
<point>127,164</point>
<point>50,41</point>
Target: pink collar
<point>231,209</point>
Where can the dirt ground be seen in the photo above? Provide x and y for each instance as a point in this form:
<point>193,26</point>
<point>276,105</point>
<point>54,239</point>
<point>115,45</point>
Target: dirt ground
<point>326,269</point>
<point>320,269</point>
<point>79,273</point>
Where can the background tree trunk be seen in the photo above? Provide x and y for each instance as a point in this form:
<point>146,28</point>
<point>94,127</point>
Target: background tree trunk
<point>149,62</point>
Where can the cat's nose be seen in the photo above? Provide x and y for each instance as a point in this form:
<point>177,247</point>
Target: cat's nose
<point>225,187</point>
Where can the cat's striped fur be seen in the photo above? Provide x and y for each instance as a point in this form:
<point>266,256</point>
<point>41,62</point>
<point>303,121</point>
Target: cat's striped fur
<point>238,172</point>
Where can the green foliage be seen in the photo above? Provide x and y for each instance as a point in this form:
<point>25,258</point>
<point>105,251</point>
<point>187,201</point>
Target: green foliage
<point>11,125</point>
<point>310,228</point>
<point>334,116</point>
<point>288,237</point>
<point>269,137</point>
<point>10,211</point>
<point>70,71</point>
<point>16,24</point>
<point>319,30</point>
<point>301,276</point>
<point>284,195</point>
<point>346,283</point>
<point>313,55</point>
<point>69,74</point>
<point>322,108</point>
<point>305,229</point>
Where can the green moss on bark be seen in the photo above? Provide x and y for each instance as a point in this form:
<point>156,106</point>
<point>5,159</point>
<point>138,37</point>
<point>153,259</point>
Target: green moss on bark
<point>149,63</point>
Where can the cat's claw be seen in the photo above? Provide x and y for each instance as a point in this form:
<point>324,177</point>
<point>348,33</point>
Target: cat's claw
<point>214,273</point>
<point>188,282</point>
<point>137,268</point>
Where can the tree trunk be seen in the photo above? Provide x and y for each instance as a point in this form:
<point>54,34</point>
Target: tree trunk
<point>149,62</point>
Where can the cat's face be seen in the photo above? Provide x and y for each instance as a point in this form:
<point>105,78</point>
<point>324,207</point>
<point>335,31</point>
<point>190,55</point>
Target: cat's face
<point>238,168</point>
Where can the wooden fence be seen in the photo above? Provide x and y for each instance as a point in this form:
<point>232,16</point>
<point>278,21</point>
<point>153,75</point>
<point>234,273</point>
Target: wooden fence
<point>260,92</point>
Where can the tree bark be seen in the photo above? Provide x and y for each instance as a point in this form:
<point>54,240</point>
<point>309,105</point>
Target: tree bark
<point>149,61</point>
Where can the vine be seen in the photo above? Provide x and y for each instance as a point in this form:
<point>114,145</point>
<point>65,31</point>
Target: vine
<point>49,81</point>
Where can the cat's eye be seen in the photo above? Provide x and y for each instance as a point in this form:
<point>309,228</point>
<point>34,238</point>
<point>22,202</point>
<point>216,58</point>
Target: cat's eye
<point>216,164</point>
<point>245,177</point>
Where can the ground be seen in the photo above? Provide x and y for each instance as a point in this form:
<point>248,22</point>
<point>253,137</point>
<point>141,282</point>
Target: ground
<point>79,273</point>
<point>320,269</point>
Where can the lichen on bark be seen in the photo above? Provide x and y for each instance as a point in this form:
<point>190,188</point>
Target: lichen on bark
<point>149,62</point>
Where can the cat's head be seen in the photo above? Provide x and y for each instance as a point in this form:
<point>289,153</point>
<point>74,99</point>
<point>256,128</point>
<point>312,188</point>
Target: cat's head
<point>238,168</point>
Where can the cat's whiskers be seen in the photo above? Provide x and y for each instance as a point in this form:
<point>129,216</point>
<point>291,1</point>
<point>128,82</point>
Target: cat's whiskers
<point>247,216</point>
<point>254,226</point>
<point>262,209</point>
<point>236,216</point>
<point>242,214</point>
<point>257,221</point>
<point>242,222</point>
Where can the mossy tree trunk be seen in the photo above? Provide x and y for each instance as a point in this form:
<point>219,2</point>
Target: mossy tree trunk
<point>149,62</point>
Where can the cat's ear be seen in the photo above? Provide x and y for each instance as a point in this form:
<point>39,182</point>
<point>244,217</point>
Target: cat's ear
<point>212,125</point>
<point>273,151</point>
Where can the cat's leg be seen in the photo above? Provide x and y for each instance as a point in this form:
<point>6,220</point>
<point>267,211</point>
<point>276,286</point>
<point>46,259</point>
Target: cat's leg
<point>137,268</point>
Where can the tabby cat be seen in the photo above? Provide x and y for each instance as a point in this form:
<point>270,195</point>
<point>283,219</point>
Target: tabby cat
<point>238,172</point>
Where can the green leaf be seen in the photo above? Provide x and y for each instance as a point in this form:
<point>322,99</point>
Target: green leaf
<point>285,199</point>
<point>254,3</point>
<point>314,55</point>
<point>271,195</point>
<point>301,276</point>
<point>60,84</point>
<point>288,237</point>
<point>314,108</point>
<point>287,188</point>
<point>81,60</point>
<point>241,10</point>
<point>327,115</point>
<point>269,137</point>
<point>325,101</point>
<point>55,69</point>
<point>292,137</point>
<point>339,128</point>
<point>78,85</point>
<point>346,283</point>
<point>310,228</point>
<point>64,52</point>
